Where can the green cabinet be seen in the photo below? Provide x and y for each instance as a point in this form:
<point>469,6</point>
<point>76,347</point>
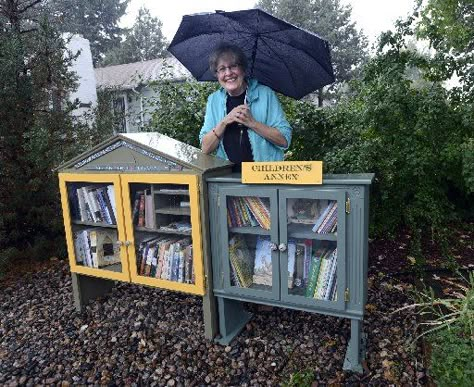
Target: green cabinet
<point>299,247</point>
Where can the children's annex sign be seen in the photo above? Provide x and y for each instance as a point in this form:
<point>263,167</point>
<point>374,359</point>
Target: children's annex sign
<point>283,172</point>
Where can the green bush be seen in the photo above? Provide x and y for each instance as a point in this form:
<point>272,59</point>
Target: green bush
<point>452,358</point>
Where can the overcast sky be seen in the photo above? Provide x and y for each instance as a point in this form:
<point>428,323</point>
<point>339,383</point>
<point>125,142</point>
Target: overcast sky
<point>372,16</point>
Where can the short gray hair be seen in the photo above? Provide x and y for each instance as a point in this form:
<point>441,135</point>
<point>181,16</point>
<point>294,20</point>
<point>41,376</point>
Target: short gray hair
<point>227,49</point>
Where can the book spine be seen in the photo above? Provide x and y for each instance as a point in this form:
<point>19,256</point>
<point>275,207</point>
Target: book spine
<point>88,205</point>
<point>149,213</point>
<point>326,220</point>
<point>322,217</point>
<point>108,205</point>
<point>92,198</point>
<point>111,196</point>
<point>141,211</point>
<point>313,276</point>
<point>136,207</point>
<point>102,206</point>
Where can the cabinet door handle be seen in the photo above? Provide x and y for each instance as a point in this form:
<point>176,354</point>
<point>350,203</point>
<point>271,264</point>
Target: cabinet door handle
<point>128,243</point>
<point>273,246</point>
<point>282,247</point>
<point>119,243</point>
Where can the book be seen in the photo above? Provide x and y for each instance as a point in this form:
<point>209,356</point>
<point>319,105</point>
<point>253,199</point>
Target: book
<point>241,260</point>
<point>149,212</point>
<point>303,211</point>
<point>108,204</point>
<point>141,211</point>
<point>107,251</point>
<point>93,204</point>
<point>308,251</point>
<point>313,276</point>
<point>262,273</point>
<point>188,266</point>
<point>136,206</point>
<point>328,218</point>
<point>111,196</point>
<point>93,247</point>
<point>321,217</point>
<point>87,248</point>
<point>291,249</point>
<point>299,265</point>
<point>104,212</point>
<point>84,211</point>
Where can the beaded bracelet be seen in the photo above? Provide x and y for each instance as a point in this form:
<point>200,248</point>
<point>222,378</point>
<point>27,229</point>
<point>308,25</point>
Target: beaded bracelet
<point>213,131</point>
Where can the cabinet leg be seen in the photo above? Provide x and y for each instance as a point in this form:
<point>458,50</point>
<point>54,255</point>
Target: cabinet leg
<point>85,289</point>
<point>232,319</point>
<point>210,316</point>
<point>355,353</point>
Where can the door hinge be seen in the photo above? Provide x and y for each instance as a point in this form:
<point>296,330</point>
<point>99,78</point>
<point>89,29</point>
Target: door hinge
<point>218,200</point>
<point>346,295</point>
<point>348,206</point>
<point>222,279</point>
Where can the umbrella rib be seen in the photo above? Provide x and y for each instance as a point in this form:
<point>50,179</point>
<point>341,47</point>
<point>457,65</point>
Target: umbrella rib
<point>313,58</point>
<point>274,52</point>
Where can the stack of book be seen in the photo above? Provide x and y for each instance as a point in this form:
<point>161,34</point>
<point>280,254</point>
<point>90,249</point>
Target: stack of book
<point>143,214</point>
<point>248,211</point>
<point>96,247</point>
<point>323,275</point>
<point>241,262</point>
<point>167,258</point>
<point>327,221</point>
<point>180,226</point>
<point>94,204</point>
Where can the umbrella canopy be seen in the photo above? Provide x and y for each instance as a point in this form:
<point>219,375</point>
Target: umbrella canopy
<point>286,58</point>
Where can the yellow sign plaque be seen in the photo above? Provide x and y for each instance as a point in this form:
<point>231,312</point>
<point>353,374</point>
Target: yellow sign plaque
<point>283,172</point>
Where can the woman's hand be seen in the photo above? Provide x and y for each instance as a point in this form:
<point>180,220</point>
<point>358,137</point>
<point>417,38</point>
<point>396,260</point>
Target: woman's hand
<point>242,115</point>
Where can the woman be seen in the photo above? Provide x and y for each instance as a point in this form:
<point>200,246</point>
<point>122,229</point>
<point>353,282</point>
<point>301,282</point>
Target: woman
<point>244,120</point>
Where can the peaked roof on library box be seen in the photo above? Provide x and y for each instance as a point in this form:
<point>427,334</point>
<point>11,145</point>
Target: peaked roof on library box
<point>144,152</point>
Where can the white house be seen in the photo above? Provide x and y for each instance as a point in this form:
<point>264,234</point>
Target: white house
<point>86,92</point>
<point>130,84</point>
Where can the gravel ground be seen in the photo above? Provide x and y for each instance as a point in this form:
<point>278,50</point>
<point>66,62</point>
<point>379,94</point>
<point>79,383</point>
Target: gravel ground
<point>144,336</point>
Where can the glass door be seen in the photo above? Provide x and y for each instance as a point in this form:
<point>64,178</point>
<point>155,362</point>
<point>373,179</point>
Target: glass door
<point>250,263</point>
<point>94,226</point>
<point>164,231</point>
<point>312,229</point>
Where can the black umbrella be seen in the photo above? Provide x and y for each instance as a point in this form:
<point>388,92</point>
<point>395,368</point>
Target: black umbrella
<point>286,58</point>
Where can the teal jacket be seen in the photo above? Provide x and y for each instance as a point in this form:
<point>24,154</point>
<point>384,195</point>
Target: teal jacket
<point>265,108</point>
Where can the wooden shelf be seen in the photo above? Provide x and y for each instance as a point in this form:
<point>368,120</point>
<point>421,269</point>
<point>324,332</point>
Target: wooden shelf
<point>93,224</point>
<point>172,193</point>
<point>249,230</point>
<point>304,231</point>
<point>174,210</point>
<point>116,267</point>
<point>160,231</point>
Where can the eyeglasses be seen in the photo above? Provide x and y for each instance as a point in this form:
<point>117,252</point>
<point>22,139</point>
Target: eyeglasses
<point>221,70</point>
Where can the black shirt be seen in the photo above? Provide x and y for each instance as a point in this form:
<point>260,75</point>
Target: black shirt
<point>236,138</point>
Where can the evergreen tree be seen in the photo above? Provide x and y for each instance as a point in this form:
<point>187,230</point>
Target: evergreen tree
<point>332,21</point>
<point>36,130</point>
<point>144,41</point>
<point>95,20</point>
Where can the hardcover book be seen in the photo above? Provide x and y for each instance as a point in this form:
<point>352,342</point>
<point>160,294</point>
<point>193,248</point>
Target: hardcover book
<point>262,273</point>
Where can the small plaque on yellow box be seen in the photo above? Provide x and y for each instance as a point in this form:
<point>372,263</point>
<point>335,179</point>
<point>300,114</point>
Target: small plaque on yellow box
<point>283,172</point>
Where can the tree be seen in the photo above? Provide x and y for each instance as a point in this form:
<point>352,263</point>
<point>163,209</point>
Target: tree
<point>449,27</point>
<point>330,20</point>
<point>144,41</point>
<point>37,131</point>
<point>95,20</point>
